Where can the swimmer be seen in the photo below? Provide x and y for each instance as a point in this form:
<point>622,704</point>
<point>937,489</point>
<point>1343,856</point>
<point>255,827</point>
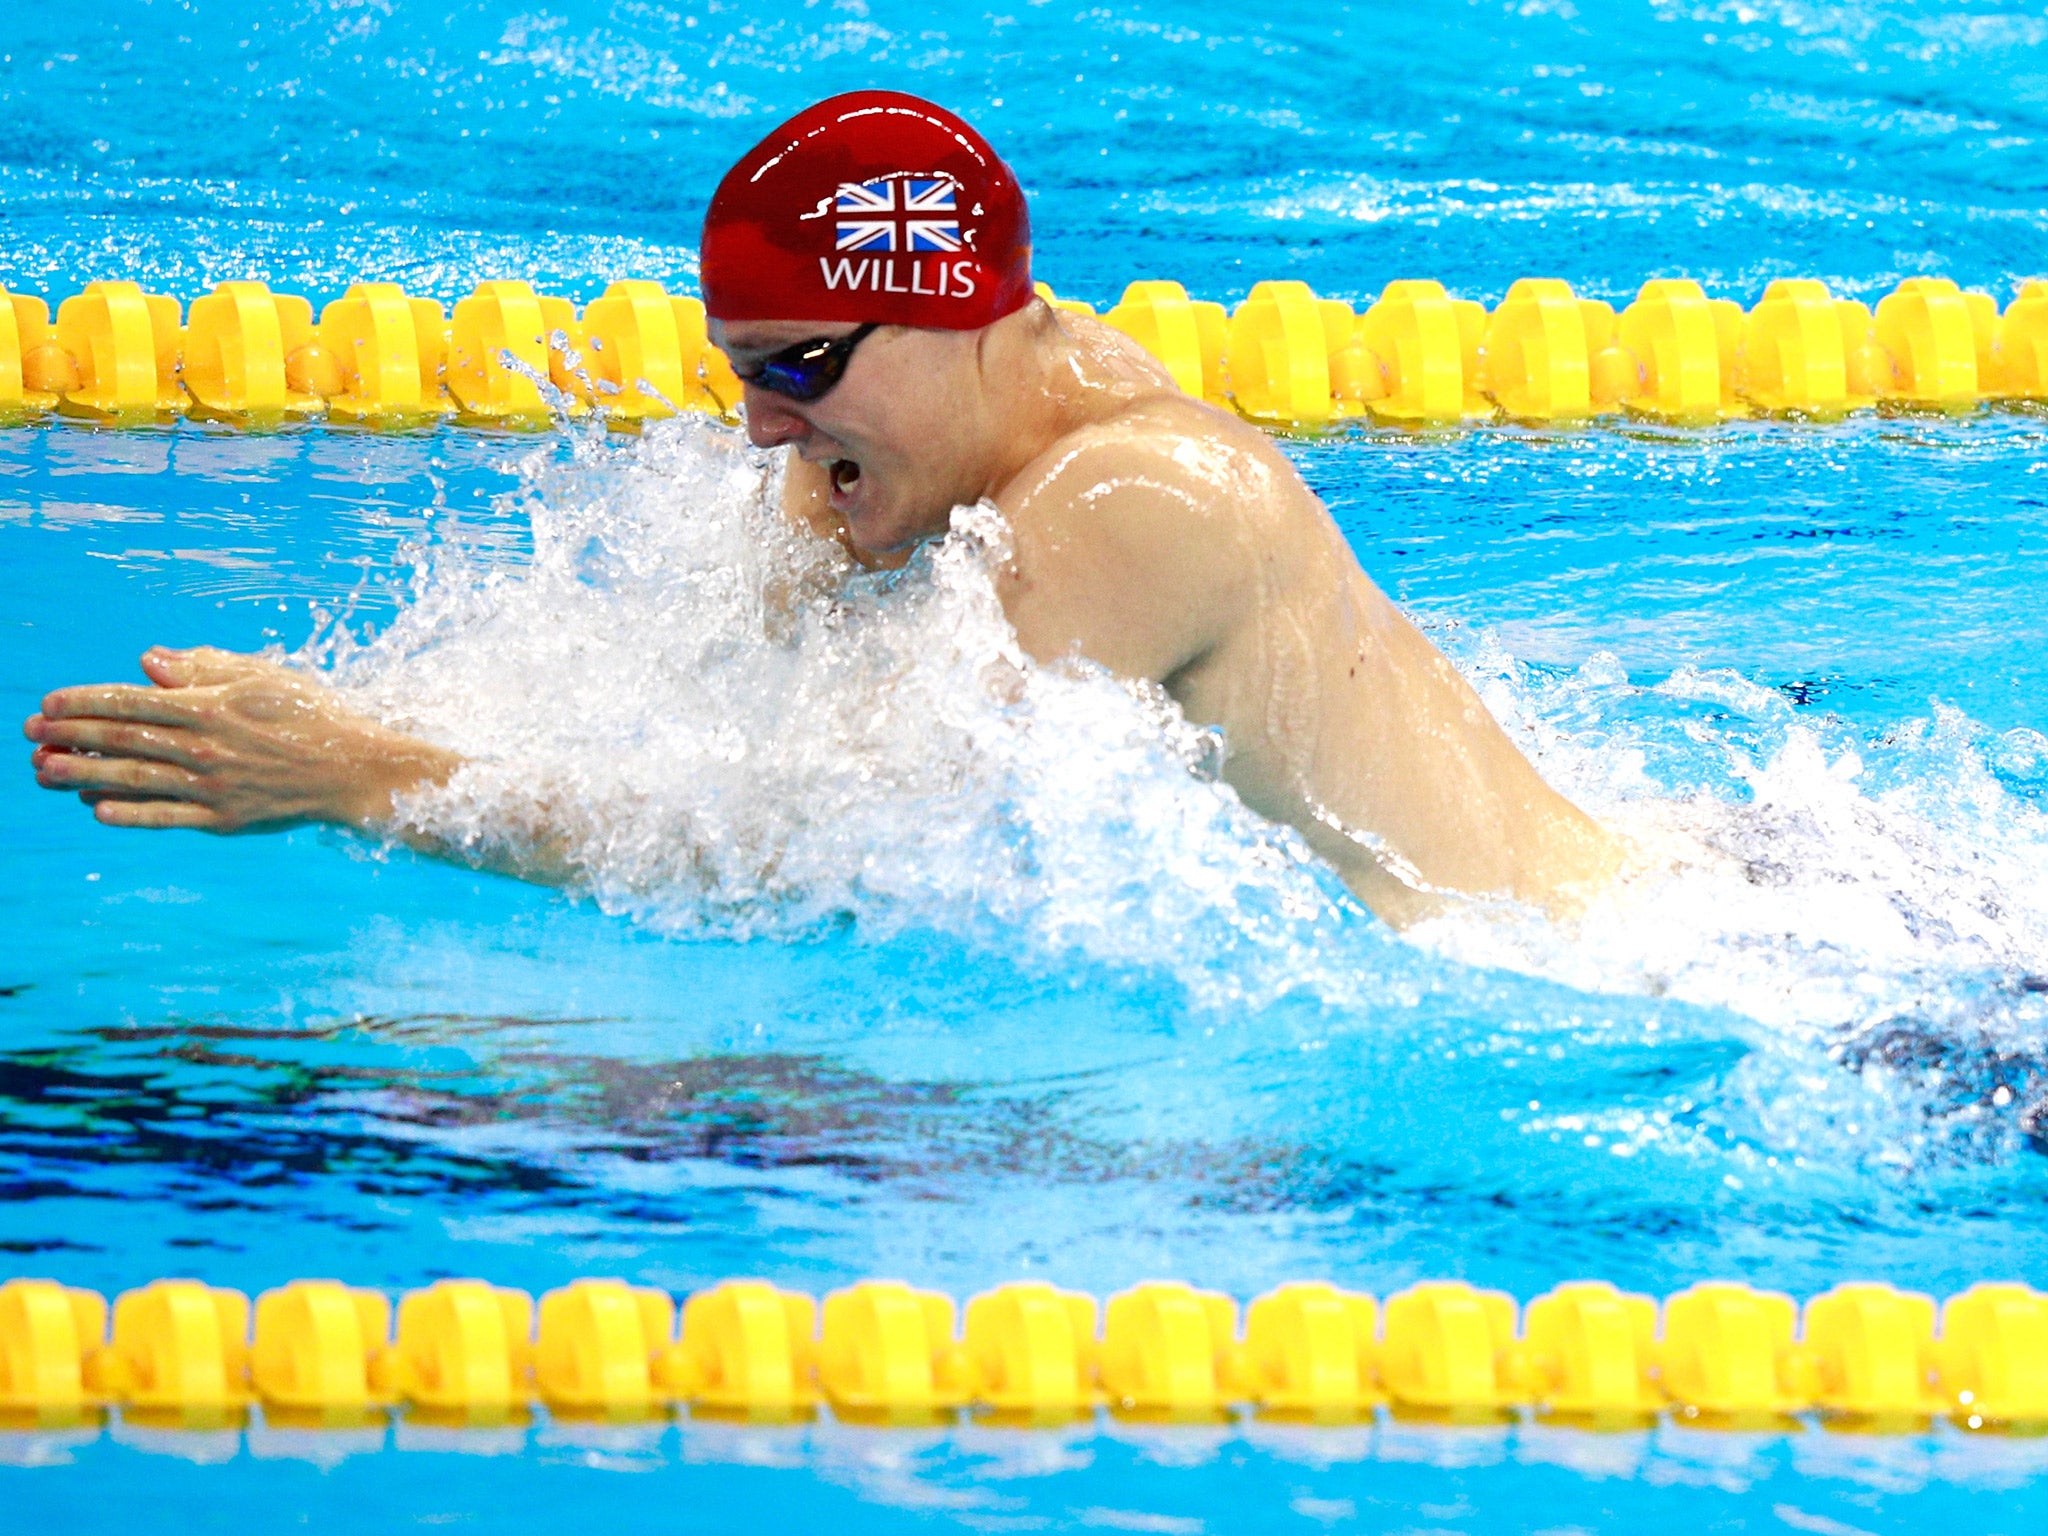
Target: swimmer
<point>866,269</point>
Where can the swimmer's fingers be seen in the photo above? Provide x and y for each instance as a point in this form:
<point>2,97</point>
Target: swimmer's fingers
<point>116,738</point>
<point>122,701</point>
<point>79,774</point>
<point>158,815</point>
<point>201,666</point>
<point>185,688</point>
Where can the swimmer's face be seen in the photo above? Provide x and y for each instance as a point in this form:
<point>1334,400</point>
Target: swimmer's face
<point>896,434</point>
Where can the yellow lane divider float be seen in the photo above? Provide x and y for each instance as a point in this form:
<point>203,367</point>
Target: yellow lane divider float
<point>1419,358</point>
<point>182,1353</point>
<point>118,356</point>
<point>1416,357</point>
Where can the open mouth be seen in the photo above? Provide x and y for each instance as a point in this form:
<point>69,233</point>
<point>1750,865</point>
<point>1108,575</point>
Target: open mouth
<point>845,476</point>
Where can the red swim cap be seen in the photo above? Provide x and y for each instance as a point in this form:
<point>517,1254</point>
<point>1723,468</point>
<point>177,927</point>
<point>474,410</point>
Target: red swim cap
<point>870,206</point>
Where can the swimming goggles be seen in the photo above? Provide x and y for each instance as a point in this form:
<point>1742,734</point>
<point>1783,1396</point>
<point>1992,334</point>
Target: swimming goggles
<point>809,369</point>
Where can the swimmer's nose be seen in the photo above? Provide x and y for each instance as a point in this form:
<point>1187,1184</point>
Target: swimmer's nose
<point>770,421</point>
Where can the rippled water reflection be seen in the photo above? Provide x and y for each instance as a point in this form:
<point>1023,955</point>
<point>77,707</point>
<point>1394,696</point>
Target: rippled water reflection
<point>1817,649</point>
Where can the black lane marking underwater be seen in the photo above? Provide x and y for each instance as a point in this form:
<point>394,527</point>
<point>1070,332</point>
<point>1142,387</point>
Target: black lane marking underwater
<point>258,1119</point>
<point>213,1118</point>
<point>253,1109</point>
<point>238,1131</point>
<point>143,1118</point>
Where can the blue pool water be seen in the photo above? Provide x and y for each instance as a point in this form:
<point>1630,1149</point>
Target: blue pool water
<point>968,994</point>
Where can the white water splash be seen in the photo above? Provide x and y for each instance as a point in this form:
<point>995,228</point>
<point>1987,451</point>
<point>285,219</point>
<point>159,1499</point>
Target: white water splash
<point>738,735</point>
<point>1880,930</point>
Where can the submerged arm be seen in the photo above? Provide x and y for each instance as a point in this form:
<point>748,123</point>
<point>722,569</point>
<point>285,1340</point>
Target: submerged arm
<point>219,742</point>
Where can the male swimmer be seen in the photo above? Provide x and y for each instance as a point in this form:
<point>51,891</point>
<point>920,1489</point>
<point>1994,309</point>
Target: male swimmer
<point>867,269</point>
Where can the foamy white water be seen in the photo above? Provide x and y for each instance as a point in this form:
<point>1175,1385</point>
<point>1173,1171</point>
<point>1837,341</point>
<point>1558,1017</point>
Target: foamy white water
<point>739,734</point>
<point>736,734</point>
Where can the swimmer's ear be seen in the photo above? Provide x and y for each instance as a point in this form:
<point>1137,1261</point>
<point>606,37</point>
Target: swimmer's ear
<point>195,668</point>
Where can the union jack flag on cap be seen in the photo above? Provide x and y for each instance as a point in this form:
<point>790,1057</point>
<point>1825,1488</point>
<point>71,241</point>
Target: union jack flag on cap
<point>873,207</point>
<point>898,213</point>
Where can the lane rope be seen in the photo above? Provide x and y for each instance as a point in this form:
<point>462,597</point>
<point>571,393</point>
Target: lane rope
<point>1285,358</point>
<point>1718,1354</point>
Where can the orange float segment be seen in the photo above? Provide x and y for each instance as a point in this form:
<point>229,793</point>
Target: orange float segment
<point>49,372</point>
<point>1358,378</point>
<point>313,369</point>
<point>1614,379</point>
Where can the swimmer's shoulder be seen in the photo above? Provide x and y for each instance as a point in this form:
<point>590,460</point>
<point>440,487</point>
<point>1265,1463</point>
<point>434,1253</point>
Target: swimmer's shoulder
<point>1139,462</point>
<point>1125,546</point>
<point>1164,450</point>
<point>1133,536</point>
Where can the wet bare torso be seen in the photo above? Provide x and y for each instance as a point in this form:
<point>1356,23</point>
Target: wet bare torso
<point>1167,540</point>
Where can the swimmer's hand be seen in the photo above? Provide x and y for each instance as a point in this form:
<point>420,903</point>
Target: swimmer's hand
<point>225,743</point>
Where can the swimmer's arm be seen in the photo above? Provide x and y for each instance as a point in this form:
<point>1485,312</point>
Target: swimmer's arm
<point>225,743</point>
<point>1118,558</point>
